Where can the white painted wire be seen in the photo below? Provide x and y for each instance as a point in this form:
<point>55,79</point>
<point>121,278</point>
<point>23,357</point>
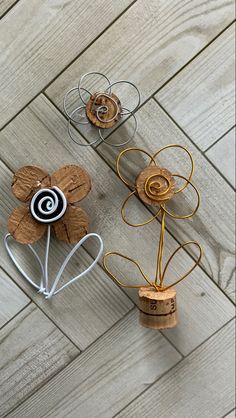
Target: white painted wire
<point>43,287</point>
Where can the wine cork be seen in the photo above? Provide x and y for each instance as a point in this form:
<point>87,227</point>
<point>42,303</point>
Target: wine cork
<point>158,310</point>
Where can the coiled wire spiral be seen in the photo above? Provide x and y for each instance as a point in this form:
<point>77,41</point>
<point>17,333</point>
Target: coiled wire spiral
<point>156,186</point>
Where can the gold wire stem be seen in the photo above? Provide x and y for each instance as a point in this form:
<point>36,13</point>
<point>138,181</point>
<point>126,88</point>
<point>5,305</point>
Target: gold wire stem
<point>160,250</point>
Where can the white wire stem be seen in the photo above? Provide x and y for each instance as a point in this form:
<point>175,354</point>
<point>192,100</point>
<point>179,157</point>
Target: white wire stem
<point>46,258</point>
<point>43,287</point>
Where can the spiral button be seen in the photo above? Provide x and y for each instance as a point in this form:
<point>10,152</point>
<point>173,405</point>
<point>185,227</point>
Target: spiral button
<point>48,205</point>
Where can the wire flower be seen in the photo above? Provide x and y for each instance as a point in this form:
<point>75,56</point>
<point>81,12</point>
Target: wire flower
<point>49,200</point>
<point>156,186</point>
<point>102,109</point>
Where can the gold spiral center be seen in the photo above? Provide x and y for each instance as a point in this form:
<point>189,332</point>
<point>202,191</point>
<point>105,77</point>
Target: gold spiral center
<point>156,186</point>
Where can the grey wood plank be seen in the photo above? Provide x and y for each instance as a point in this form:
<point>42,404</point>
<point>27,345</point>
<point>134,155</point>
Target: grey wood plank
<point>40,38</point>
<point>214,224</point>
<point>199,300</point>
<point>84,310</point>
<point>150,43</point>
<point>12,299</point>
<point>203,383</point>
<point>207,87</point>
<point>222,154</point>
<point>230,415</point>
<point>32,351</point>
<point>107,376</point>
<point>5,5</point>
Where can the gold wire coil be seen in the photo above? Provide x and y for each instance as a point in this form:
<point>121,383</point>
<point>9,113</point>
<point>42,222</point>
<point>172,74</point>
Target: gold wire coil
<point>157,187</point>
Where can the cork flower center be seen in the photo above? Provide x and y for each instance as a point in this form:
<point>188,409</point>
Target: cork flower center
<point>48,205</point>
<point>103,110</point>
<point>155,185</point>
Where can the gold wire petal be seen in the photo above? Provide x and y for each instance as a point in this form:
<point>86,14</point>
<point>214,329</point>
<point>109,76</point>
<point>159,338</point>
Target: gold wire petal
<point>122,153</point>
<point>190,157</point>
<point>138,224</point>
<point>189,271</point>
<point>173,215</point>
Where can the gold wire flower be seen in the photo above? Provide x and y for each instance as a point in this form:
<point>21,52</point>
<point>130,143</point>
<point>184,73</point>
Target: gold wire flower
<point>49,200</point>
<point>155,185</point>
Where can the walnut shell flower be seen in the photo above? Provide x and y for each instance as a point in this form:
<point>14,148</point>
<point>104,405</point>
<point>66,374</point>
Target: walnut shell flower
<point>49,200</point>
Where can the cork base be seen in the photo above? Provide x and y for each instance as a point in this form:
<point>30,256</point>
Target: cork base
<point>158,310</point>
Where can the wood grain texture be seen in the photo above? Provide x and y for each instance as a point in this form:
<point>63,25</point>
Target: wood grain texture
<point>5,5</point>
<point>203,383</point>
<point>198,298</point>
<point>12,299</point>
<point>213,225</point>
<point>147,45</point>
<point>207,87</point>
<point>87,308</point>
<point>106,376</point>
<point>32,351</point>
<point>40,38</point>
<point>222,154</point>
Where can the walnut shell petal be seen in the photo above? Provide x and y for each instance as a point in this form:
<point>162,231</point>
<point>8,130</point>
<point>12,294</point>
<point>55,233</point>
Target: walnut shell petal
<point>72,226</point>
<point>73,181</point>
<point>23,227</point>
<point>28,180</point>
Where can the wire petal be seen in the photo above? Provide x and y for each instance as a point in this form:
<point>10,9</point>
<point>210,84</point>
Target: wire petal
<point>119,282</point>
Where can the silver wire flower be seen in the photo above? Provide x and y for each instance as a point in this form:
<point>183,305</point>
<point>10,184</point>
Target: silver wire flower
<point>102,110</point>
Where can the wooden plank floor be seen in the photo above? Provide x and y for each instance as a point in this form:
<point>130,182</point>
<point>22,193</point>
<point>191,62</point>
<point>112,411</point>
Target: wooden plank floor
<point>63,358</point>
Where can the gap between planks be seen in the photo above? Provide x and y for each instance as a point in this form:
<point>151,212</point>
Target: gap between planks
<point>180,361</point>
<point>196,146</point>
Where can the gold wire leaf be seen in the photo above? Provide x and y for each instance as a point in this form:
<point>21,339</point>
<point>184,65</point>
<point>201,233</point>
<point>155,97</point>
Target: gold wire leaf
<point>155,185</point>
<point>196,263</point>
<point>23,227</point>
<point>28,180</point>
<point>119,282</point>
<point>72,226</point>
<point>73,181</point>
